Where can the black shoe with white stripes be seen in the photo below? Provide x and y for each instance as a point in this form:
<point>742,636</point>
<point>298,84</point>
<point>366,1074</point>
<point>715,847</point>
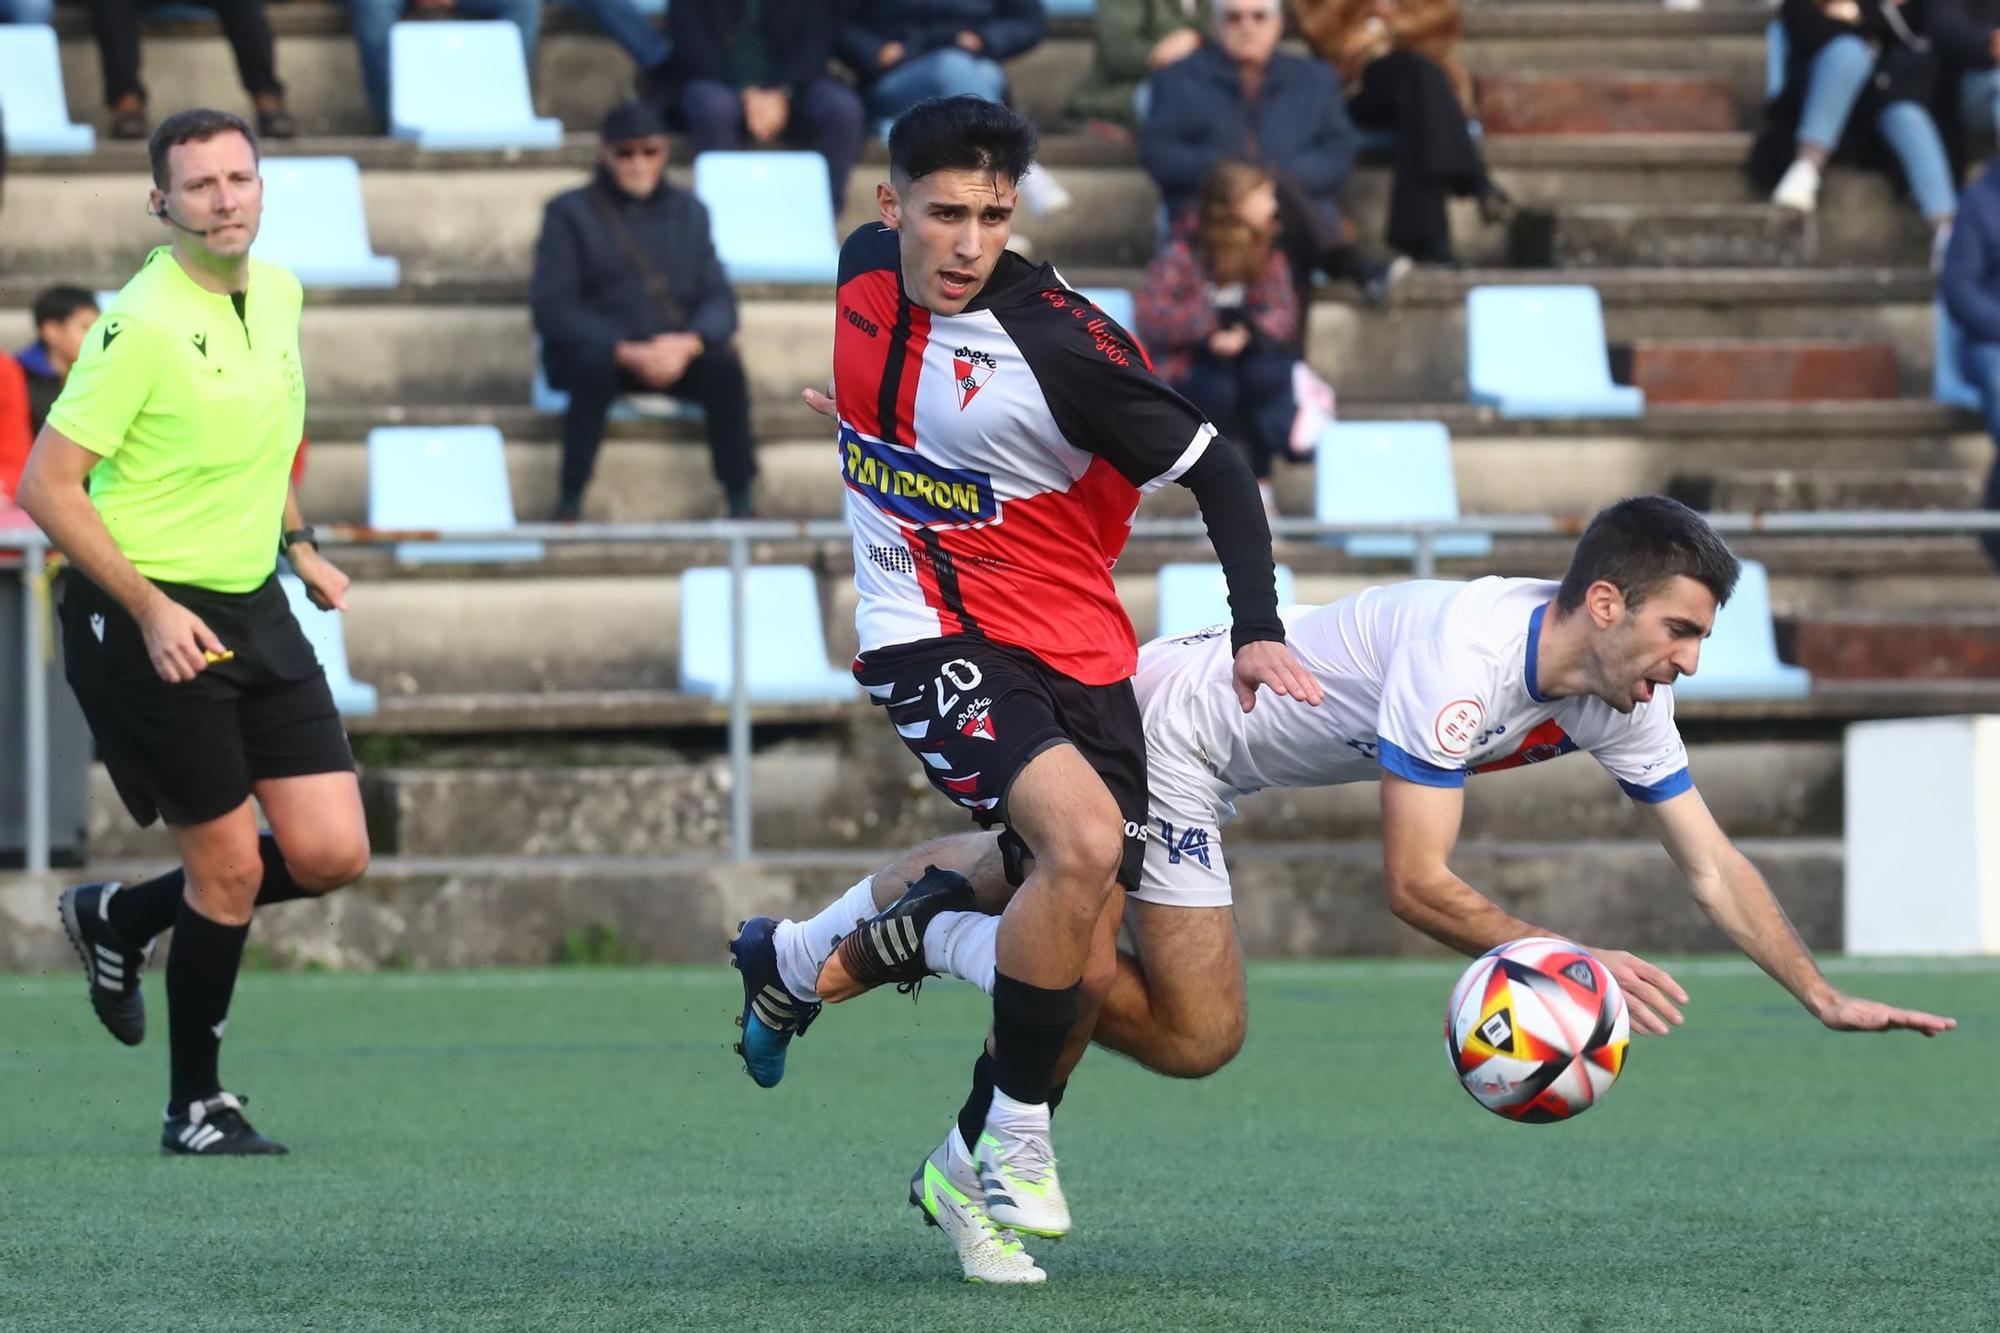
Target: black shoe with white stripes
<point>112,965</point>
<point>889,946</point>
<point>215,1127</point>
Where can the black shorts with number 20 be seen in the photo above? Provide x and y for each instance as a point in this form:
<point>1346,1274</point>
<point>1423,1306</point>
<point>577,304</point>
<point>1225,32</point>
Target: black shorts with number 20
<point>975,712</point>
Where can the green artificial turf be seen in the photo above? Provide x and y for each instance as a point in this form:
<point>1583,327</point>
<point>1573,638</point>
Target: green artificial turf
<point>578,1148</point>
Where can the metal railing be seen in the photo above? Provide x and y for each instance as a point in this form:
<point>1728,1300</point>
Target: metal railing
<point>739,534</point>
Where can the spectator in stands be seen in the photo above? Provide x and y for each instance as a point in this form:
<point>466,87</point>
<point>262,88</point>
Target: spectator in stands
<point>1398,60</point>
<point>27,11</point>
<point>246,26</point>
<point>741,66</point>
<point>908,51</point>
<point>1967,36</point>
<point>1132,41</point>
<point>15,437</point>
<point>628,296</point>
<point>62,316</point>
<point>1218,311</point>
<point>1970,286</point>
<point>1239,96</point>
<point>622,20</point>
<point>1855,65</point>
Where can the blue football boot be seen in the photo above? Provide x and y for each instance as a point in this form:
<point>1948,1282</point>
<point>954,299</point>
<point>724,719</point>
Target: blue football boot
<point>771,1015</point>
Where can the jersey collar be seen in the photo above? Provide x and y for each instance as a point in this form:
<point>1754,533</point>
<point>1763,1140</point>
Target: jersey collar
<point>1531,664</point>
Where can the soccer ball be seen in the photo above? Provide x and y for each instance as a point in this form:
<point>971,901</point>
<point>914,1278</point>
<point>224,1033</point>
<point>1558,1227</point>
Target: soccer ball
<point>1537,1030</point>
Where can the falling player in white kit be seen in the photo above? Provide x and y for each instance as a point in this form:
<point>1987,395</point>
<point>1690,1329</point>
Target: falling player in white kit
<point>1424,683</point>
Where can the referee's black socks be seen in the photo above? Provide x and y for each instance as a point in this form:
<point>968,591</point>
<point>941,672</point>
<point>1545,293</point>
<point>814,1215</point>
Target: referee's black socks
<point>138,912</point>
<point>201,978</point>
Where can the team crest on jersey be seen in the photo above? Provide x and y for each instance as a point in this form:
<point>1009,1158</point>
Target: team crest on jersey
<point>976,721</point>
<point>971,368</point>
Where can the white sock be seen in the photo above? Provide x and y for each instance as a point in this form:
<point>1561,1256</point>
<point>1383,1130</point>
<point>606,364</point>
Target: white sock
<point>804,946</point>
<point>1022,1120</point>
<point>963,945</point>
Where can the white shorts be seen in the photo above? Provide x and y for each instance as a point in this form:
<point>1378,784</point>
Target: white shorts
<point>1186,804</point>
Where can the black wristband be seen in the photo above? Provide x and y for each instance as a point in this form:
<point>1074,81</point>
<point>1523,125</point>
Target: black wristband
<point>298,536</point>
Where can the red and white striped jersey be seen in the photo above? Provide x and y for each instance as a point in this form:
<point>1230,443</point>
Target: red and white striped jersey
<point>994,460</point>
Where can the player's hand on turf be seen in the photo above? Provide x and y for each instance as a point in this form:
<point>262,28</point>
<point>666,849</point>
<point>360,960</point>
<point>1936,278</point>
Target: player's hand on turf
<point>821,403</point>
<point>175,639</point>
<point>1650,994</point>
<point>325,585</point>
<point>1844,1013</point>
<point>1272,665</point>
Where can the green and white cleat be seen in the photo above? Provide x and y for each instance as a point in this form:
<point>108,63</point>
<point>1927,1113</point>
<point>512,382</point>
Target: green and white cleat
<point>1017,1172</point>
<point>946,1190</point>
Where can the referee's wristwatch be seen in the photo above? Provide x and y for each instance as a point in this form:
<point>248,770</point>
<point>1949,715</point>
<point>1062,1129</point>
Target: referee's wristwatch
<point>298,536</point>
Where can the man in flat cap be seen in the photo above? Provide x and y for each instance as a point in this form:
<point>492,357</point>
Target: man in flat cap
<point>629,298</point>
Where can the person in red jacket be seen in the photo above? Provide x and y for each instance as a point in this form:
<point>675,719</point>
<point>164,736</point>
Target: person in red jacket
<point>14,437</point>
<point>1219,314</point>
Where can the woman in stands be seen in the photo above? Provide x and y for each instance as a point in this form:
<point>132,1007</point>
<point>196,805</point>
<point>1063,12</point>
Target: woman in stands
<point>1220,317</point>
<point>1398,60</point>
<point>1859,76</point>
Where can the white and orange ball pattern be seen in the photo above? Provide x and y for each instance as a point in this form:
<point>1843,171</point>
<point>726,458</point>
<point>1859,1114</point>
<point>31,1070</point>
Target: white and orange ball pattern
<point>1537,1030</point>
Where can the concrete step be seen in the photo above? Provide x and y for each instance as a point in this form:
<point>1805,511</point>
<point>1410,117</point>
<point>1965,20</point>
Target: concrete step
<point>1833,488</point>
<point>579,73</point>
<point>1664,236</point>
<point>667,476</point>
<point>447,632</point>
<point>1728,370</point>
<point>479,212</point>
<point>380,348</point>
<point>857,793</point>
<point>1891,646</point>
<point>1526,101</point>
<point>1295,900</point>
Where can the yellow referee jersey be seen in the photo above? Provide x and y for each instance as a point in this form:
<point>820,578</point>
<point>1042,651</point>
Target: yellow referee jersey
<point>196,401</point>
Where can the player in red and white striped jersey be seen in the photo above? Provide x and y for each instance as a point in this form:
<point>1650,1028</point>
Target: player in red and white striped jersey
<point>996,433</point>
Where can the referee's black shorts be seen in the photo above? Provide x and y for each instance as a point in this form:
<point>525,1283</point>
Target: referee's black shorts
<point>975,712</point>
<point>188,753</point>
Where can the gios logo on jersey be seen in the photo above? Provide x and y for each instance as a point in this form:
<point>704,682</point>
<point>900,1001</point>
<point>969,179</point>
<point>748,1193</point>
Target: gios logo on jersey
<point>911,487</point>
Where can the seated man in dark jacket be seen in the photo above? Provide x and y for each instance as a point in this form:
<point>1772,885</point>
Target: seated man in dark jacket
<point>629,296</point>
<point>760,66</point>
<point>1239,96</point>
<point>1970,286</point>
<point>1966,33</point>
<point>907,51</point>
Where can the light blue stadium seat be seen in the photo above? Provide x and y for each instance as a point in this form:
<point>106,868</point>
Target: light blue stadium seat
<point>771,215</point>
<point>784,643</point>
<point>329,644</point>
<point>1115,302</point>
<point>443,479</point>
<point>1390,472</point>
<point>316,226</point>
<point>546,398</point>
<point>1948,382</point>
<point>1740,659</point>
<point>1539,352</point>
<point>32,103</point>
<point>1070,9</point>
<point>1195,596</point>
<point>1777,51</point>
<point>463,84</point>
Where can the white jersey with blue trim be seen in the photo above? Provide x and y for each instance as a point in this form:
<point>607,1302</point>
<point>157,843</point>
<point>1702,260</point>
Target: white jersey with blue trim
<point>1429,680</point>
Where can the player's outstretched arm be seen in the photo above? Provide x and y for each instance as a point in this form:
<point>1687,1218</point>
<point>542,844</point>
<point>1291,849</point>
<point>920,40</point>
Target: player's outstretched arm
<point>1419,830</point>
<point>1737,898</point>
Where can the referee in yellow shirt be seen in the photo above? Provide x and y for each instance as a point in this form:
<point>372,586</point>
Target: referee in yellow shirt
<point>163,474</point>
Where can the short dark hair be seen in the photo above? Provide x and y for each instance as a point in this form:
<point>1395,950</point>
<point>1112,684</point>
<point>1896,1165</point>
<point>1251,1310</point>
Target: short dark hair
<point>1639,544</point>
<point>57,304</point>
<point>195,125</point>
<point>963,133</point>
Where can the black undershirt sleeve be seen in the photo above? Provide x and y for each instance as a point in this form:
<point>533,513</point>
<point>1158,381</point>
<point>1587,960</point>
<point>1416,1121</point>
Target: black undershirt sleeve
<point>1234,513</point>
